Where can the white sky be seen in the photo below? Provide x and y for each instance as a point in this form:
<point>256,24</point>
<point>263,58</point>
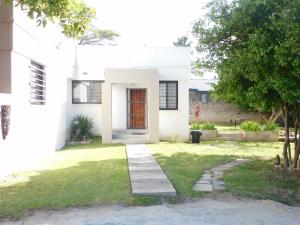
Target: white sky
<point>148,22</point>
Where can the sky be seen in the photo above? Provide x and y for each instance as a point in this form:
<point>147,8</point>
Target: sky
<point>148,22</point>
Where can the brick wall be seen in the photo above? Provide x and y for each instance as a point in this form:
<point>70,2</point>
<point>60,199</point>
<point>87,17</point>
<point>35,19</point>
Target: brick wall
<point>220,112</point>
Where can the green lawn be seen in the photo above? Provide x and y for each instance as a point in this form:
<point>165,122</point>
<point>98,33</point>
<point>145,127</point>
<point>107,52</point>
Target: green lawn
<point>76,176</point>
<point>84,175</point>
<point>184,164</point>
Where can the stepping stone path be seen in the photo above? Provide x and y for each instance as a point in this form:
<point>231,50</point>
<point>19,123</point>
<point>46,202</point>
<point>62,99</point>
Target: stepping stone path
<point>146,176</point>
<point>210,180</point>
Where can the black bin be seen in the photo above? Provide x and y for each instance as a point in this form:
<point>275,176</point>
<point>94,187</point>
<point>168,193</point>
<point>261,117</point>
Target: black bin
<point>196,136</point>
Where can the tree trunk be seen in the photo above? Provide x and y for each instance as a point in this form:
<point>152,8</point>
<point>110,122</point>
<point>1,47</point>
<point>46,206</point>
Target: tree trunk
<point>297,153</point>
<point>286,146</point>
<point>296,139</point>
<point>274,116</point>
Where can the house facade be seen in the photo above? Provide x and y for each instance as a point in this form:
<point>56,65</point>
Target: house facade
<point>140,93</point>
<point>137,95</point>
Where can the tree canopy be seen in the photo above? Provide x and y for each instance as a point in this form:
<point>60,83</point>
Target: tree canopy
<point>74,16</point>
<point>95,36</point>
<point>182,42</point>
<point>254,47</point>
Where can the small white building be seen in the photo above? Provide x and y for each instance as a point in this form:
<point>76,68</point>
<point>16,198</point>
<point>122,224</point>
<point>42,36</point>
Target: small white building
<point>138,92</point>
<point>132,94</point>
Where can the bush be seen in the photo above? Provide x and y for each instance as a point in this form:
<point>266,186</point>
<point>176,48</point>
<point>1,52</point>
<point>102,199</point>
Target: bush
<point>81,128</point>
<point>195,126</point>
<point>209,126</point>
<point>270,127</point>
<point>250,126</point>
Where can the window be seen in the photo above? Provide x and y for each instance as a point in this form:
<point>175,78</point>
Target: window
<point>37,84</point>
<point>204,98</point>
<point>86,92</point>
<point>168,95</point>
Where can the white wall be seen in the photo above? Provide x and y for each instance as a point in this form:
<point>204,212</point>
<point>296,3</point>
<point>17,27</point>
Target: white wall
<point>119,106</point>
<point>173,124</point>
<point>93,60</point>
<point>37,130</point>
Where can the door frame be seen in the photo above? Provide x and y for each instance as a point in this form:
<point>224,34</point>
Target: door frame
<point>128,108</point>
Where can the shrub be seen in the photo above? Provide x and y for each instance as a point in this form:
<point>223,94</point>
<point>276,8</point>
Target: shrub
<point>270,127</point>
<point>81,128</point>
<point>195,126</point>
<point>209,126</point>
<point>250,126</point>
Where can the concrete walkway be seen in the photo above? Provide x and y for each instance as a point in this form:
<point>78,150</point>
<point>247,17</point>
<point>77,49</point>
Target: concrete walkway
<point>210,180</point>
<point>146,176</point>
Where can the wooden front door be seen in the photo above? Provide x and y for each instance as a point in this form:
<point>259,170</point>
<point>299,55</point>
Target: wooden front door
<point>137,108</point>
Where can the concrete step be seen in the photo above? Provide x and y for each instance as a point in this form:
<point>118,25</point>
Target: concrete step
<point>130,131</point>
<point>130,141</point>
<point>130,136</point>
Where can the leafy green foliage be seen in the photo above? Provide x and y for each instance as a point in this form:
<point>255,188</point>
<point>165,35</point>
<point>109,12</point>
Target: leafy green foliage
<point>95,36</point>
<point>253,45</point>
<point>182,42</point>
<point>74,16</point>
<point>270,127</point>
<point>250,126</point>
<point>195,126</point>
<point>81,128</point>
<point>209,126</point>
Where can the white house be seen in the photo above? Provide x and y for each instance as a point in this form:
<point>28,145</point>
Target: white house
<point>132,94</point>
<point>140,93</point>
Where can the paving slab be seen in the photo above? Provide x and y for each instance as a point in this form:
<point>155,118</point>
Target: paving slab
<point>203,182</point>
<point>141,174</point>
<point>210,179</point>
<point>218,185</point>
<point>206,176</point>
<point>203,187</point>
<point>146,176</point>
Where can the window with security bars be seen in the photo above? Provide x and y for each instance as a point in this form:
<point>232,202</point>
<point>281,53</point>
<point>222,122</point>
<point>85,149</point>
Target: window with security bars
<point>168,95</point>
<point>37,83</point>
<point>86,92</point>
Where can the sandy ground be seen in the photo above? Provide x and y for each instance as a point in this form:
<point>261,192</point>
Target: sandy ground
<point>205,211</point>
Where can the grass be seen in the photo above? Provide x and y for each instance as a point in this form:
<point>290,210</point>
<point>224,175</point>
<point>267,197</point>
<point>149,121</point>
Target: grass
<point>93,174</point>
<point>258,179</point>
<point>79,175</point>
<point>184,164</point>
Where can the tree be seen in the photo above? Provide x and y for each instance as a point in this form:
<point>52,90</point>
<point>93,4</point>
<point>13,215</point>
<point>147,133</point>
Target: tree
<point>254,46</point>
<point>96,36</point>
<point>74,16</point>
<point>182,42</point>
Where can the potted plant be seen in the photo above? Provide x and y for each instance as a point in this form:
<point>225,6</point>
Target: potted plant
<point>209,131</point>
<point>270,132</point>
<point>196,133</point>
<point>253,131</point>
